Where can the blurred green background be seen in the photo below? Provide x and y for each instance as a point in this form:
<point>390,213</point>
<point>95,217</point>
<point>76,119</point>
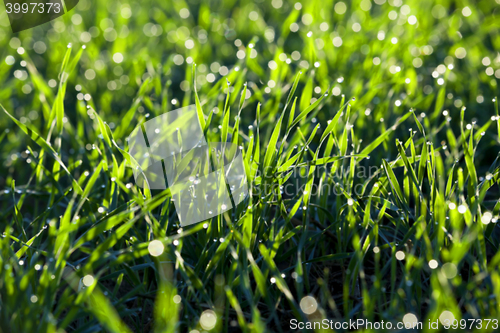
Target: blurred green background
<point>364,49</point>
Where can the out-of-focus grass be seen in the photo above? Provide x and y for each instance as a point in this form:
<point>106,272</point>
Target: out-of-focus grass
<point>388,105</point>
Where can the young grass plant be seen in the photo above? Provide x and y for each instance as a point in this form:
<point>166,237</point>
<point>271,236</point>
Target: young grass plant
<point>380,203</point>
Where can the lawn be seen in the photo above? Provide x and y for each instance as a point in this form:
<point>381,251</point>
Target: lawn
<point>369,134</point>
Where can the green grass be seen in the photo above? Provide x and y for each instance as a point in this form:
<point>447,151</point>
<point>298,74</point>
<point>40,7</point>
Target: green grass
<point>399,122</point>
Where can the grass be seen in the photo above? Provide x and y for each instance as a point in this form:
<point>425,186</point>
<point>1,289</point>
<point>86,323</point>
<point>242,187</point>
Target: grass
<point>397,123</point>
